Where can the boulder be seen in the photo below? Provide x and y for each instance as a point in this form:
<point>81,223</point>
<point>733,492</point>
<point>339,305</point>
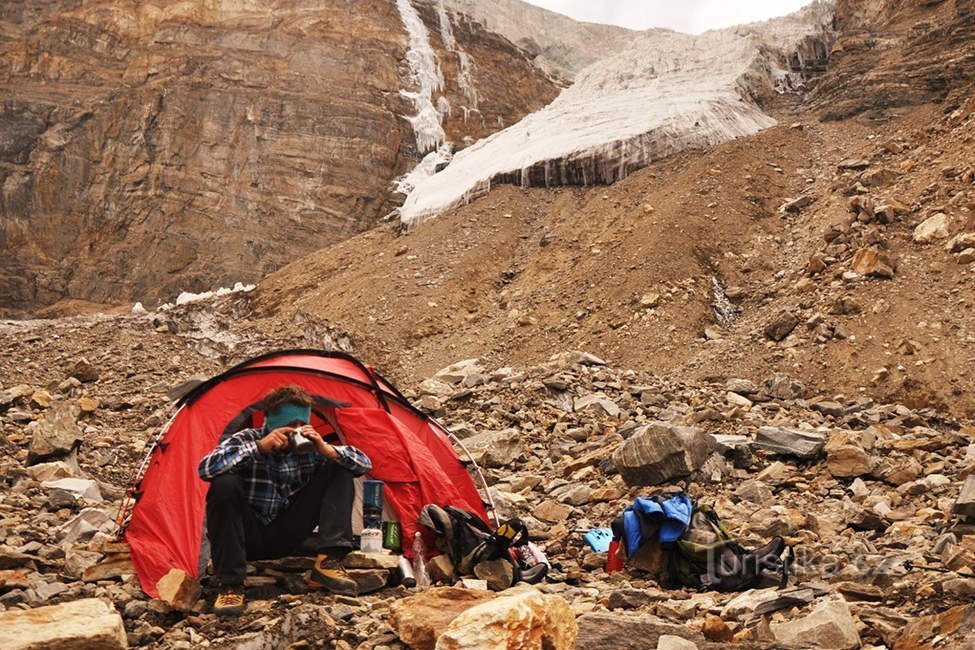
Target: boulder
<point>84,371</point>
<point>807,445</point>
<point>829,625</point>
<point>597,402</point>
<point>932,228</point>
<point>661,452</point>
<point>88,624</point>
<point>528,620</point>
<point>499,574</point>
<point>85,524</point>
<point>965,504</point>
<point>81,487</point>
<point>419,620</point>
<point>55,435</point>
<point>782,386</point>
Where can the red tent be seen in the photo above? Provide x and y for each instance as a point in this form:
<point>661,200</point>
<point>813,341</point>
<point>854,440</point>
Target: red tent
<point>410,452</point>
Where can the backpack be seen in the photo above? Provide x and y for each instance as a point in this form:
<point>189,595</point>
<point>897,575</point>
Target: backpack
<point>468,540</point>
<point>705,555</point>
<point>708,556</point>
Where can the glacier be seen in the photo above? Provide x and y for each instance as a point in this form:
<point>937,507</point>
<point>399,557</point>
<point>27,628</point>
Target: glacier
<point>664,93</point>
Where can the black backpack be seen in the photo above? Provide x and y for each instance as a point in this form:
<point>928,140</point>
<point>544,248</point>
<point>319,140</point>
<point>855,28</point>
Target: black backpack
<point>468,540</point>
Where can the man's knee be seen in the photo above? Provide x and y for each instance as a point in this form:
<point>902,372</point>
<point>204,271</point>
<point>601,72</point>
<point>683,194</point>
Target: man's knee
<point>226,488</point>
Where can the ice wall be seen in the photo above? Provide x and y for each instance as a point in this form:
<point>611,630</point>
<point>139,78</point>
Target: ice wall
<point>425,80</point>
<point>665,93</point>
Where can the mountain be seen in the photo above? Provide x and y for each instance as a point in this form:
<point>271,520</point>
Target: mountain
<point>149,148</point>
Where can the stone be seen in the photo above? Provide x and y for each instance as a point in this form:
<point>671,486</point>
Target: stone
<point>179,590</point>
<point>55,435</point>
<point>551,511</point>
<point>741,386</point>
<point>617,631</point>
<point>457,372</point>
<point>764,601</point>
<point>782,386</point>
<point>754,491</point>
<point>933,228</point>
<point>965,504</point>
<point>114,566</point>
<point>369,580</point>
<point>967,256</point>
<point>529,619</point>
<point>796,205</point>
<point>84,371</point>
<point>597,401</point>
<point>671,642</point>
<point>661,452</point>
<point>631,598</point>
<point>961,242</point>
<point>495,448</point>
<point>53,471</point>
<point>13,579</point>
<point>781,326</point>
<point>87,405</point>
<point>791,442</point>
<point>845,458</point>
<point>856,164</point>
<point>81,487</point>
<point>87,624</point>
<point>878,177</point>
<point>952,628</point>
<point>419,620</point>
<point>738,400</point>
<point>829,625</point>
<point>871,261</point>
<point>830,408</point>
<point>499,574</point>
<point>716,630</point>
<point>441,570</point>
<point>855,591</point>
<point>85,524</point>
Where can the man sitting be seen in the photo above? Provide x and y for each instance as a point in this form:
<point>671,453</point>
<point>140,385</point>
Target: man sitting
<point>265,499</point>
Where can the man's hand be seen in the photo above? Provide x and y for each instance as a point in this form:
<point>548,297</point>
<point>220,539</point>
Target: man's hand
<point>277,440</point>
<point>321,446</point>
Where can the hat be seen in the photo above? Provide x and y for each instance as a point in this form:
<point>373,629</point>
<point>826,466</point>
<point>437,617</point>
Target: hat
<point>284,414</point>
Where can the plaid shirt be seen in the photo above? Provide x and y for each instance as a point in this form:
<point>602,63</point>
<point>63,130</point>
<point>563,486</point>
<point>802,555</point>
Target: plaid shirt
<point>270,480</point>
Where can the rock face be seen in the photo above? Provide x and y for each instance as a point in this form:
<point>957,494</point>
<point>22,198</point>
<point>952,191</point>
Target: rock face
<point>89,624</point>
<point>892,54</point>
<point>154,147</point>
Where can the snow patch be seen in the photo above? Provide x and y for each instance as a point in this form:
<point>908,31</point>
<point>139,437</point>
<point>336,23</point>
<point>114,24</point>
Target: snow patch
<point>666,93</point>
<point>187,297</point>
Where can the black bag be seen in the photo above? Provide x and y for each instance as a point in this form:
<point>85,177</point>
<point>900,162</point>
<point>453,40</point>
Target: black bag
<point>468,540</point>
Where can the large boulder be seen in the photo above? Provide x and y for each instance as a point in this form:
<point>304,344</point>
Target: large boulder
<point>527,620</point>
<point>420,619</point>
<point>661,452</point>
<point>495,448</point>
<point>89,624</point>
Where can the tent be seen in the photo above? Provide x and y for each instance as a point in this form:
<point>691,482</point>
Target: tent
<point>163,518</point>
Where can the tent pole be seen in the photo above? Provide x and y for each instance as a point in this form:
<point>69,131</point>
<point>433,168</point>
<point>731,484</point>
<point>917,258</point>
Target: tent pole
<point>126,508</point>
<point>477,468</point>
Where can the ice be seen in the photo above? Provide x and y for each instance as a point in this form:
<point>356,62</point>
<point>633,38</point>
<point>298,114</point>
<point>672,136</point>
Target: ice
<point>425,76</point>
<point>188,297</point>
<point>666,93</point>
<point>464,80</point>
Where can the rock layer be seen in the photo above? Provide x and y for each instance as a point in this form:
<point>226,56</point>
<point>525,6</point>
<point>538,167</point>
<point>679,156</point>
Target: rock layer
<point>150,148</point>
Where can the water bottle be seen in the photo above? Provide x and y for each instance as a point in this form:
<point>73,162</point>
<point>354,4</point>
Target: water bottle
<point>419,562</point>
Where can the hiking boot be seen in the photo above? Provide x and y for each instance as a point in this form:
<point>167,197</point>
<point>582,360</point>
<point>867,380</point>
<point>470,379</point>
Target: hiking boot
<point>329,573</point>
<point>230,601</point>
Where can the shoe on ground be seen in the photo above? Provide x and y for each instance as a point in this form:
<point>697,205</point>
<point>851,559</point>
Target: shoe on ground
<point>328,573</point>
<point>230,601</point>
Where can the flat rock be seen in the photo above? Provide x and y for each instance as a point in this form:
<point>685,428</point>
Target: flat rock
<point>965,504</point>
<point>829,625</point>
<point>612,631</point>
<point>599,402</point>
<point>179,590</point>
<point>781,326</point>
<point>495,448</point>
<point>88,624</point>
<point>791,442</point>
<point>931,229</point>
<point>55,435</point>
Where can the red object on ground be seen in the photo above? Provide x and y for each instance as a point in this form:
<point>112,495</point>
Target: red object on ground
<point>614,559</point>
<point>409,452</point>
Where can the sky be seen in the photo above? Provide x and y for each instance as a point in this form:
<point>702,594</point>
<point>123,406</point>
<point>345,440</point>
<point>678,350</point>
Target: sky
<point>689,16</point>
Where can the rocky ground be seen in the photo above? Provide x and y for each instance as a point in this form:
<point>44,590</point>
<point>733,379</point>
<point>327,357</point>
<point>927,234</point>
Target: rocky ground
<point>868,493</point>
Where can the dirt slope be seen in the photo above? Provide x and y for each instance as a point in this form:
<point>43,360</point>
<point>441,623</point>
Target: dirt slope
<point>626,271</point>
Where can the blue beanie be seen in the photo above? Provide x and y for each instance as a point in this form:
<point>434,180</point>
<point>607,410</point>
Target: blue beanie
<point>284,414</point>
